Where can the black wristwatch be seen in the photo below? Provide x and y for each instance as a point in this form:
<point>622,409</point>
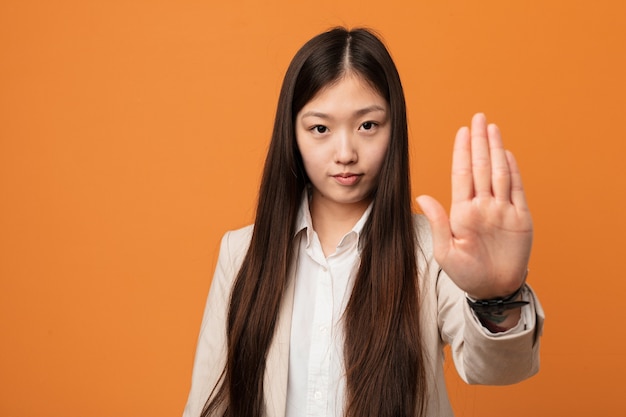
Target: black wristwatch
<point>497,306</point>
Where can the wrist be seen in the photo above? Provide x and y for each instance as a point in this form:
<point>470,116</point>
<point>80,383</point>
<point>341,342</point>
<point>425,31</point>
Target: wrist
<point>500,323</point>
<point>498,292</point>
<point>499,305</point>
<point>500,314</point>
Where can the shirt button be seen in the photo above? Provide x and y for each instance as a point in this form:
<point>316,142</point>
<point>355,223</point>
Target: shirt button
<point>318,395</point>
<point>322,329</point>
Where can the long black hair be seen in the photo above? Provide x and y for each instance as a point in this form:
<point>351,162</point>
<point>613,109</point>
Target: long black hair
<point>383,354</point>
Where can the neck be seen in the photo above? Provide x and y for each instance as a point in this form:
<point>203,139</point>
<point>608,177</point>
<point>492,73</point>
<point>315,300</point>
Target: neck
<point>332,221</point>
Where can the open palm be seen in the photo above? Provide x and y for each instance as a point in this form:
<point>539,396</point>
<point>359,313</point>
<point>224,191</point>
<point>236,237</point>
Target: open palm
<point>484,245</point>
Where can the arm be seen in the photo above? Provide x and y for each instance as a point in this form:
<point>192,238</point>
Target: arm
<point>482,357</point>
<point>484,245</point>
<point>211,349</point>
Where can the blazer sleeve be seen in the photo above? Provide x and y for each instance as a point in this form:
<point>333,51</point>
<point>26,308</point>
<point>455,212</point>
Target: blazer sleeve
<point>211,348</point>
<point>480,356</point>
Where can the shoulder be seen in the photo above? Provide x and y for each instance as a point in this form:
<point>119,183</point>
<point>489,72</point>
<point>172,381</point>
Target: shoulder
<point>238,237</point>
<point>421,223</point>
<point>234,246</point>
<point>422,232</point>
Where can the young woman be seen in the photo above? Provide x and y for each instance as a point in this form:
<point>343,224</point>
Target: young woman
<point>338,300</point>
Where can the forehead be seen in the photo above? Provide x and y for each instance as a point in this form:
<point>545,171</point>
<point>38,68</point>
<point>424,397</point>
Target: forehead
<point>350,90</point>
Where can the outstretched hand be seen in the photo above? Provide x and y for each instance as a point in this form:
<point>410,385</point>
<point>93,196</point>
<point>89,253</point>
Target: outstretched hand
<point>484,246</point>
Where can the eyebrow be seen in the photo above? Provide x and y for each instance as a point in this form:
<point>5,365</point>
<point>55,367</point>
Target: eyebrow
<point>358,113</point>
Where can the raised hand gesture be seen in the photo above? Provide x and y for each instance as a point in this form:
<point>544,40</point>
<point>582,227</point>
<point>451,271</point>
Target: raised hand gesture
<point>484,246</point>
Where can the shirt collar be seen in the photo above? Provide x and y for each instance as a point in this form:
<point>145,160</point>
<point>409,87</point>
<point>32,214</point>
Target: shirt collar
<point>304,221</point>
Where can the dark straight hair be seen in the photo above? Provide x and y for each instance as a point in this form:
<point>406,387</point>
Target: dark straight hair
<point>383,352</point>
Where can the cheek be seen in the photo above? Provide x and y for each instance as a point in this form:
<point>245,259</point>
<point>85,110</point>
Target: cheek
<point>313,155</point>
<point>309,159</point>
<point>378,154</point>
<point>312,164</point>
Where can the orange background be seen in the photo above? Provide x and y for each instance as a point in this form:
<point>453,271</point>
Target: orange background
<point>133,134</point>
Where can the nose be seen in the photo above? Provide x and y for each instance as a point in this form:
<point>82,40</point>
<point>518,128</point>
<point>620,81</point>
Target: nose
<point>345,152</point>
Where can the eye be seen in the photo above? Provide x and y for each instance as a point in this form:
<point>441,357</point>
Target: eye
<point>319,129</point>
<point>368,125</point>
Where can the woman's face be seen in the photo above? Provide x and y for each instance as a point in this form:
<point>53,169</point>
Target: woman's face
<point>343,134</point>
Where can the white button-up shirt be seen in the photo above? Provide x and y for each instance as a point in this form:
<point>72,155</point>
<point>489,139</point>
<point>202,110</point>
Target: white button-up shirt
<point>312,378</point>
<point>316,385</point>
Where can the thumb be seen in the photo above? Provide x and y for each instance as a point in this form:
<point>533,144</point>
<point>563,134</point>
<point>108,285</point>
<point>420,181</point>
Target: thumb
<point>439,223</point>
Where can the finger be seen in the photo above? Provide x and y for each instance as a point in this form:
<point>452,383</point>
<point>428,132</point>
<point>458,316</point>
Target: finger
<point>518,196</point>
<point>462,181</point>
<point>439,224</point>
<point>481,162</point>
<point>500,171</point>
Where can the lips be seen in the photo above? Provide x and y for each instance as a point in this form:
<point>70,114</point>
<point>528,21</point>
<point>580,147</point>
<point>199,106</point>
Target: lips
<point>347,178</point>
